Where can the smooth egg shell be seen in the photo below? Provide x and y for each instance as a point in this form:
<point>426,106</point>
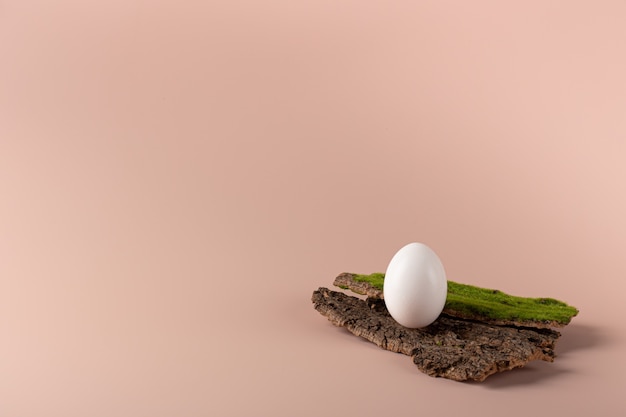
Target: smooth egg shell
<point>415,286</point>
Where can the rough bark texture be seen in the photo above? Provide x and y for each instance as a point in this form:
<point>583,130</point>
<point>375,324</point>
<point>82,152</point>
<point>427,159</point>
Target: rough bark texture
<point>452,348</point>
<point>346,280</point>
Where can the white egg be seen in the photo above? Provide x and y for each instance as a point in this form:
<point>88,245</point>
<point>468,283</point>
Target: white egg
<point>415,286</point>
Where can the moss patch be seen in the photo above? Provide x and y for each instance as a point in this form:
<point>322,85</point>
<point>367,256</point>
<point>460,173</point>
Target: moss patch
<point>494,304</point>
<point>376,279</point>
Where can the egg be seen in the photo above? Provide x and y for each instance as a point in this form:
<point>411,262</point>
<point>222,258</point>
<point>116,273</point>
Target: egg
<point>415,286</point>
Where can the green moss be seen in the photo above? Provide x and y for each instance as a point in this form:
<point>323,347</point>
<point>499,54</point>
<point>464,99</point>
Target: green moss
<point>494,304</point>
<point>376,279</point>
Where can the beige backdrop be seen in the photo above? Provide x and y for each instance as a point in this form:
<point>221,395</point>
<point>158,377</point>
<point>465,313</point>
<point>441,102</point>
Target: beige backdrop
<point>177,177</point>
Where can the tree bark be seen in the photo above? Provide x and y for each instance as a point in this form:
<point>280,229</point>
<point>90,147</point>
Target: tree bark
<point>346,280</point>
<point>450,347</point>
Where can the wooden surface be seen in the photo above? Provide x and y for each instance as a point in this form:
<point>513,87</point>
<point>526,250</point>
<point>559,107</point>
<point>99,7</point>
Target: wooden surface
<point>452,348</point>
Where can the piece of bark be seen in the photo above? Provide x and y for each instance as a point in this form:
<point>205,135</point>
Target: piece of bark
<point>451,348</point>
<point>346,281</point>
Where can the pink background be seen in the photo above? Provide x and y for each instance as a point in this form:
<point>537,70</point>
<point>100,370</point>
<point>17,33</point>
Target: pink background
<point>177,177</point>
